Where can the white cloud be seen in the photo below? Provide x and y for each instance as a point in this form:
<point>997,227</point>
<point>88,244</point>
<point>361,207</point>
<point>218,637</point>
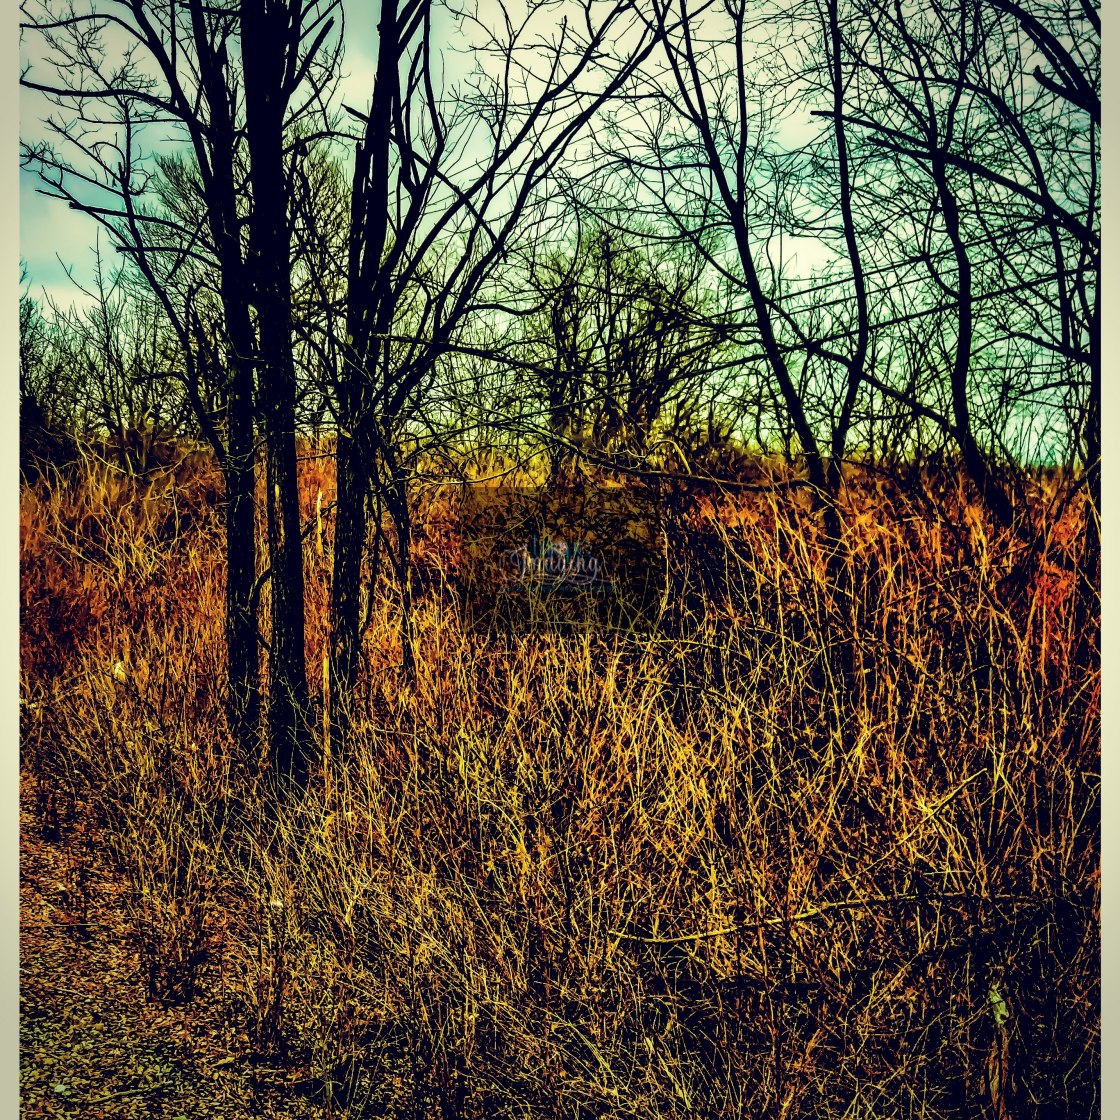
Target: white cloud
<point>52,237</point>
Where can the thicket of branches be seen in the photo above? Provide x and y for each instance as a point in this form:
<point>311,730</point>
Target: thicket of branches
<point>639,234</point>
<point>815,282</point>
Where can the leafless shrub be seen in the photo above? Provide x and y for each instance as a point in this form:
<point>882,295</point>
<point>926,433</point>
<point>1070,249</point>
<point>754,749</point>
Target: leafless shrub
<point>708,870</point>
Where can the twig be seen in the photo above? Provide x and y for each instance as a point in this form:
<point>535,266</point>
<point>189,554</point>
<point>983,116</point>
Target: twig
<point>809,913</point>
<point>128,1093</point>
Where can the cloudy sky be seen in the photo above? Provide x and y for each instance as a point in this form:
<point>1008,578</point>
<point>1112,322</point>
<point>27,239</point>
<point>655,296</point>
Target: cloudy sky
<point>55,239</point>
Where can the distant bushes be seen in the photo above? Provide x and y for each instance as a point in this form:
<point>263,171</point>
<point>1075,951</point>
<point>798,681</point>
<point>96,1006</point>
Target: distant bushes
<point>43,446</point>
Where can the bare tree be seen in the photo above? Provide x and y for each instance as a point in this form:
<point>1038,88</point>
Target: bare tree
<point>704,151</point>
<point>277,63</point>
<point>123,74</point>
<point>50,390</point>
<point>1009,235</point>
<point>444,178</point>
<point>126,358</point>
<point>623,333</point>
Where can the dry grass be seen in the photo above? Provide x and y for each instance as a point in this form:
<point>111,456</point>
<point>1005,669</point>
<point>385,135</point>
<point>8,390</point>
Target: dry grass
<point>794,854</point>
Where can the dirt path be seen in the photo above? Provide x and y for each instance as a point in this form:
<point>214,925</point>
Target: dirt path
<point>91,1044</point>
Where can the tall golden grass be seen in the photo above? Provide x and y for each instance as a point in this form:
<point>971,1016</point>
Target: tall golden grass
<point>714,870</point>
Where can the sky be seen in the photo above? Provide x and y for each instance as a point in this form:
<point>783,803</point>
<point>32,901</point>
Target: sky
<point>55,240</point>
<point>51,236</point>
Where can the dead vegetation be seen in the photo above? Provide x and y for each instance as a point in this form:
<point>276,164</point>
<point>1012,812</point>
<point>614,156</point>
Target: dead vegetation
<point>793,853</point>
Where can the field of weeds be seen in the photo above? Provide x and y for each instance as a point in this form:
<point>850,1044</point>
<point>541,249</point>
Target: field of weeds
<point>823,842</point>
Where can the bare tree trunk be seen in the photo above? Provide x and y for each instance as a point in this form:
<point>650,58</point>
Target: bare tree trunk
<point>266,31</point>
<point>850,658</point>
<point>734,189</point>
<point>1088,606</point>
<point>239,458</point>
<point>396,499</point>
<point>288,694</point>
<point>975,462</point>
<point>369,229</point>
<point>992,494</point>
<point>859,355</point>
<point>349,546</point>
<point>243,663</point>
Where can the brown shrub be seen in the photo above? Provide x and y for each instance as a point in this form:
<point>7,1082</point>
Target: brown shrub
<point>714,870</point>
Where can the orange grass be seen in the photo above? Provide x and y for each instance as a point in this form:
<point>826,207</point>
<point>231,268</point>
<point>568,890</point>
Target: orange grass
<point>796,853</point>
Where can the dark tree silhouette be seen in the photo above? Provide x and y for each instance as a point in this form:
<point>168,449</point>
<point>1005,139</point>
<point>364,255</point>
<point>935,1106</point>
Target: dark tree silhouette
<point>120,74</point>
<point>443,181</point>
